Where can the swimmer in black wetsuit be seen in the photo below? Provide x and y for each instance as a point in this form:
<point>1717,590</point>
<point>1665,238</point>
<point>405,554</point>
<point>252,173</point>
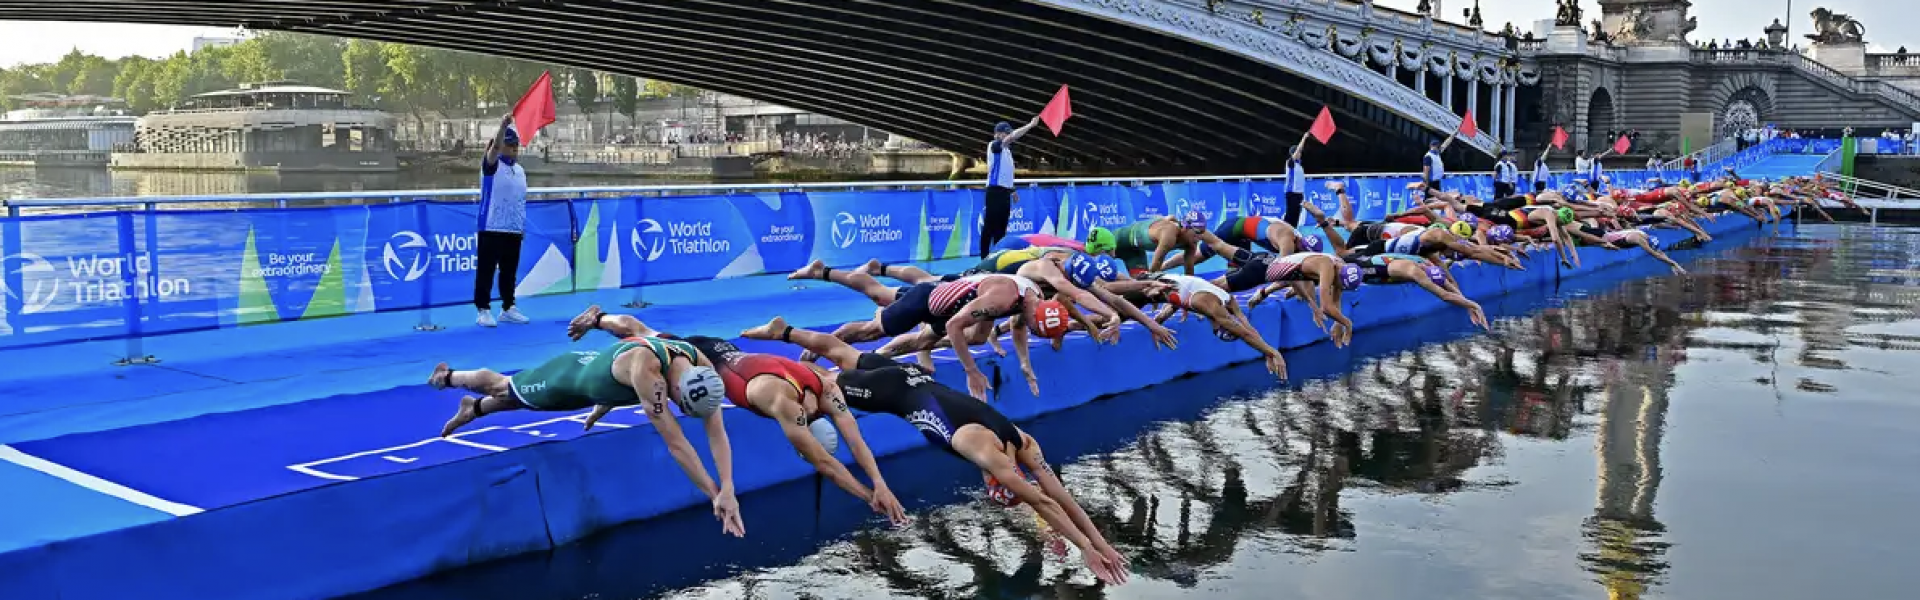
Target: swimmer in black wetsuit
<point>962,425</point>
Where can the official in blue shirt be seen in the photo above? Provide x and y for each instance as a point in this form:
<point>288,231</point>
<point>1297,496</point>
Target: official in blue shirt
<point>1433,169</point>
<point>503,225</point>
<point>1506,176</point>
<point>1296,184</point>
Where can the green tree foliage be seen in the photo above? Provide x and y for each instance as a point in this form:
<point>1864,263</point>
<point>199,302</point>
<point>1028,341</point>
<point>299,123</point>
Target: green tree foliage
<point>626,96</point>
<point>586,89</point>
<point>411,79</point>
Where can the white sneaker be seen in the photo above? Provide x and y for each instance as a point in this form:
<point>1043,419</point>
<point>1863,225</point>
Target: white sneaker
<point>512,315</point>
<point>486,319</point>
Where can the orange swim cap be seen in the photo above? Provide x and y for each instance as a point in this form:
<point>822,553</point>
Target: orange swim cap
<point>1050,319</point>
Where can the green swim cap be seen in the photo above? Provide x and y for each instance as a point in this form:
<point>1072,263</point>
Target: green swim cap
<point>1099,241</point>
<point>1566,215</point>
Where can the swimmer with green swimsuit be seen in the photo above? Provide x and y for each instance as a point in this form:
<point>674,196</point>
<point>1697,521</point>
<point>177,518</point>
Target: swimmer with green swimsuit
<point>1145,244</point>
<point>646,371</point>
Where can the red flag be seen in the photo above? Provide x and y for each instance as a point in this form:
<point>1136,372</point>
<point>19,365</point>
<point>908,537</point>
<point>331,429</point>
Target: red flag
<point>1559,137</point>
<point>1468,128</point>
<point>1057,111</point>
<point>535,110</point>
<point>1323,126</point>
<point>1622,145</point>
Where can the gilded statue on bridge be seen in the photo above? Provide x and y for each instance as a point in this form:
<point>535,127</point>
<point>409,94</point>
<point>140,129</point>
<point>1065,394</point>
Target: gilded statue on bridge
<point>1835,28</point>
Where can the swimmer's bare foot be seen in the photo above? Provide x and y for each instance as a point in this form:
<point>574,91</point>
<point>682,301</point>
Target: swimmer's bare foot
<point>469,410</point>
<point>588,320</point>
<point>874,267</point>
<point>813,270</point>
<point>769,331</point>
<point>442,377</point>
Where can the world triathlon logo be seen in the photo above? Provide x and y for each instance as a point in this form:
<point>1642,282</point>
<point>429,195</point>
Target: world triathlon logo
<point>1089,216</point>
<point>18,268</point>
<point>648,240</point>
<point>846,230</point>
<point>417,259</point>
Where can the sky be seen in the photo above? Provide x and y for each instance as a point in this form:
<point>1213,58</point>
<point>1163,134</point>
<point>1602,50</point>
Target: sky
<point>1886,22</point>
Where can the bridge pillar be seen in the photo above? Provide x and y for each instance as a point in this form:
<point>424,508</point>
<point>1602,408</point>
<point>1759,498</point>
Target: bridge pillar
<point>1420,82</point>
<point>1446,89</point>
<point>1473,100</point>
<point>1495,124</point>
<point>1513,95</point>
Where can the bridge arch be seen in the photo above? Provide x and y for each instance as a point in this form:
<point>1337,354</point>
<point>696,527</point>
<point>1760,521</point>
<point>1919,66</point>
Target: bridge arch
<point>1602,121</point>
<point>1742,101</point>
<point>1157,80</point>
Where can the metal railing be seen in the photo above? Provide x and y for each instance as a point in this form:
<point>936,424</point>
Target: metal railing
<point>1855,186</point>
<point>1896,196</point>
<point>1717,152</point>
<point>560,193</point>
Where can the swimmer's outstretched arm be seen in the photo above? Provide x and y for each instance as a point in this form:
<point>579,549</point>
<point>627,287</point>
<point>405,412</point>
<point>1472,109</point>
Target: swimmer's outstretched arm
<point>1161,335</point>
<point>1036,463</point>
<point>986,453</point>
<point>1419,277</point>
<point>1330,306</point>
<point>653,393</point>
<point>620,326</point>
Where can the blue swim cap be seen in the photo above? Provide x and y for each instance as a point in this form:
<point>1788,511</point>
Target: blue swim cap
<point>1084,270</point>
<point>1224,334</point>
<point>1349,276</point>
<point>1500,234</point>
<point>1310,242</point>
<point>1437,274</point>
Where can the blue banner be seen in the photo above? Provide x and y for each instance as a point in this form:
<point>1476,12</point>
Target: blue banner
<point>107,275</point>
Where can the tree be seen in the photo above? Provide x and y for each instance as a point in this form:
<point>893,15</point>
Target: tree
<point>626,98</point>
<point>660,89</point>
<point>364,68</point>
<point>586,89</point>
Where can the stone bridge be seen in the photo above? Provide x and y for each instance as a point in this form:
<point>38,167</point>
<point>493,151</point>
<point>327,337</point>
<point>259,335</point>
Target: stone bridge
<point>1592,88</point>
<point>1190,86</point>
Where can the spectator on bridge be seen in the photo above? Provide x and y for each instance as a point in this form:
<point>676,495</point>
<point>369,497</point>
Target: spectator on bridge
<point>1582,165</point>
<point>1000,183</point>
<point>503,224</point>
<point>1434,169</point>
<point>1506,175</point>
<point>1296,183</point>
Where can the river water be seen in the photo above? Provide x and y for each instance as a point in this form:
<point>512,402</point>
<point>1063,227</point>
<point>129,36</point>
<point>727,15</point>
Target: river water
<point>1746,431</point>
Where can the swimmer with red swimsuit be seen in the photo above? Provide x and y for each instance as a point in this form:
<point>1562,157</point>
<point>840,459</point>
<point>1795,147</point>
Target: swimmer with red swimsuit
<point>791,393</point>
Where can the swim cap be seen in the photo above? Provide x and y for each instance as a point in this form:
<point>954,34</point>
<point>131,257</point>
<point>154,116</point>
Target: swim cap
<point>1704,202</point>
<point>1349,276</point>
<point>1566,215</point>
<point>1461,228</point>
<point>999,493</point>
<point>1194,220</point>
<point>1500,234</point>
<point>1099,241</point>
<point>1084,270</point>
<point>1224,334</point>
<point>823,432</point>
<point>1474,220</point>
<point>1686,183</point>
<point>1437,274</point>
<point>1050,319</point>
<point>1310,242</point>
<point>700,391</point>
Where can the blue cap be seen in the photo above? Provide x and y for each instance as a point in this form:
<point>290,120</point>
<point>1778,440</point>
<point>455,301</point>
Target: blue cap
<point>510,137</point>
<point>1433,142</point>
<point>1003,127</point>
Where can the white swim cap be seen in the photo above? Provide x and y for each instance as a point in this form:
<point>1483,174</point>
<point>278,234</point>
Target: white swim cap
<point>700,391</point>
<point>824,433</point>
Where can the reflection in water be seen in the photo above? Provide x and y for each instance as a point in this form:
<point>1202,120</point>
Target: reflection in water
<point>1292,480</point>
